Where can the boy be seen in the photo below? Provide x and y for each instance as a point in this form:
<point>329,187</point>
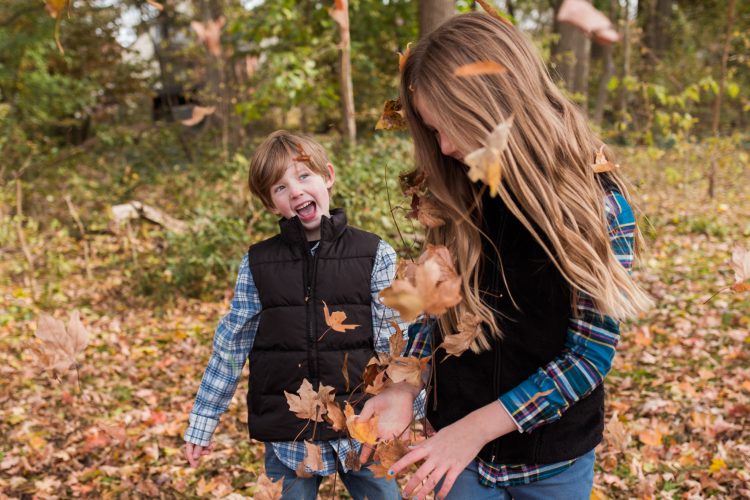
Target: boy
<point>277,318</point>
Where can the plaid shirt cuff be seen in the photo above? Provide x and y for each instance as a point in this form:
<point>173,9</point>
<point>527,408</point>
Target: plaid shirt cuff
<point>200,429</point>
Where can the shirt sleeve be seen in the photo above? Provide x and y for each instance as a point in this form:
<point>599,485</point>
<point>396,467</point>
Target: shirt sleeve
<point>589,344</point>
<point>232,342</point>
<point>383,272</point>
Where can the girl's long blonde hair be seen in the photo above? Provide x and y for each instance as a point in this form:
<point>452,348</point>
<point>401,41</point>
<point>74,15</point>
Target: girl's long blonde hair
<point>547,179</point>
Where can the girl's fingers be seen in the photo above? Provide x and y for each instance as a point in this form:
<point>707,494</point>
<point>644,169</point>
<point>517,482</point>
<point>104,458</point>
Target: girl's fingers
<point>414,456</point>
<point>364,454</point>
<point>422,473</point>
<point>450,479</point>
<point>428,486</point>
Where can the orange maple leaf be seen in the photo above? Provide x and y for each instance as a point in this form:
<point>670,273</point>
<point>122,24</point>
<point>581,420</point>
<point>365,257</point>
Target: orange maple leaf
<point>480,68</point>
<point>265,489</point>
<point>366,431</point>
<point>335,416</point>
<point>388,452</point>
<point>59,345</point>
<point>308,403</point>
<point>396,341</point>
<point>469,329</point>
<point>335,321</point>
<point>407,369</point>
<point>602,164</point>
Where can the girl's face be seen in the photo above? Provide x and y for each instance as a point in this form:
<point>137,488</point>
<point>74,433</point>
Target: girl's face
<point>429,118</point>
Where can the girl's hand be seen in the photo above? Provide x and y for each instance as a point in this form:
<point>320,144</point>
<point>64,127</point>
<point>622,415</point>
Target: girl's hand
<point>194,452</point>
<point>447,453</point>
<point>394,408</point>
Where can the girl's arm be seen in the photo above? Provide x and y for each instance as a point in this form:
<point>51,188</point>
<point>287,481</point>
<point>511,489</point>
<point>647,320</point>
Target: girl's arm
<point>383,272</point>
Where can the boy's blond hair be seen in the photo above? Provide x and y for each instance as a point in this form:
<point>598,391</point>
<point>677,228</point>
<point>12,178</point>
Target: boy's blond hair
<point>273,156</point>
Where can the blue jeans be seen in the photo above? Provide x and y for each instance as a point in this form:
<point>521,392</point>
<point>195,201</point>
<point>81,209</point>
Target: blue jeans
<point>360,484</point>
<point>575,483</point>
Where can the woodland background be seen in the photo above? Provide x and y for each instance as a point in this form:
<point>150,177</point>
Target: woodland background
<point>101,103</point>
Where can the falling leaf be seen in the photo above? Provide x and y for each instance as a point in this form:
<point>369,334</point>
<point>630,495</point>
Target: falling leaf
<point>335,416</point>
<point>335,320</point>
<point>388,452</point>
<point>366,431</point>
<point>156,5</point>
<point>54,7</point>
<point>602,164</point>
<point>265,489</point>
<point>210,34</point>
<point>392,117</point>
<point>306,403</point>
<point>414,182</point>
<point>396,341</point>
<point>402,57</point>
<point>469,328</point>
<point>199,113</point>
<point>407,369</point>
<point>431,287</point>
<point>345,370</point>
<point>313,456</point>
<point>741,266</point>
<point>60,346</point>
<point>425,210</point>
<point>485,163</point>
<point>650,437</point>
<point>494,12</point>
<point>480,68</point>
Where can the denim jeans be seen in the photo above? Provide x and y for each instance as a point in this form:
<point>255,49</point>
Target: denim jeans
<point>575,483</point>
<point>360,484</point>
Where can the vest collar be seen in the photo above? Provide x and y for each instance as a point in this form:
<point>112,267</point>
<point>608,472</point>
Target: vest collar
<point>293,232</point>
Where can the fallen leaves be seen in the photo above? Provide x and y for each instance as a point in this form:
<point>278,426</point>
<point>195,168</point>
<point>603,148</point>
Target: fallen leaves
<point>431,286</point>
<point>741,266</point>
<point>58,346</point>
<point>602,164</point>
<point>485,163</point>
<point>265,489</point>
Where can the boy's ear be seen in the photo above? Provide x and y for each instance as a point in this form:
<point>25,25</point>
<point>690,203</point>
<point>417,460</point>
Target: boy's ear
<point>331,175</point>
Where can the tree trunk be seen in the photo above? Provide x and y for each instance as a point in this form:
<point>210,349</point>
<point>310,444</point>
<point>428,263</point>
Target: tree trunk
<point>626,48</point>
<point>657,20</point>
<point>432,13</point>
<point>719,95</point>
<point>608,71</point>
<point>341,15</point>
<point>572,54</point>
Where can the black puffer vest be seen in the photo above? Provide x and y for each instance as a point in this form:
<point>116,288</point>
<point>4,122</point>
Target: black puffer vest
<point>534,334</point>
<point>292,285</point>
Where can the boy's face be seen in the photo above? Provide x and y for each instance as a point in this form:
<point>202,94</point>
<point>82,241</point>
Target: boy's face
<point>302,193</point>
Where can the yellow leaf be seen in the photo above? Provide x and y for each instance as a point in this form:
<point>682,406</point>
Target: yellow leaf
<point>365,432</point>
<point>37,442</point>
<point>485,163</point>
<point>480,68</point>
<point>717,464</point>
<point>392,117</point>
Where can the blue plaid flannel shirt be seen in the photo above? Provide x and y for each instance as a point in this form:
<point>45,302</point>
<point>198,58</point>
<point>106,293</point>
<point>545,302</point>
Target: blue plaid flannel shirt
<point>233,341</point>
<point>582,365</point>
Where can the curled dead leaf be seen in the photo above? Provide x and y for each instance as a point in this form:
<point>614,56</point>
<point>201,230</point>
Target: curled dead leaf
<point>392,117</point>
<point>335,416</point>
<point>469,329</point>
<point>602,164</point>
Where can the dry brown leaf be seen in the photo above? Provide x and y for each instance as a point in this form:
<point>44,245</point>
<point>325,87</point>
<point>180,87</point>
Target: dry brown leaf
<point>377,385</point>
<point>392,117</point>
<point>54,7</point>
<point>335,320</point>
<point>402,57</point>
<point>265,489</point>
<point>366,431</point>
<point>616,434</point>
<point>430,286</point>
<point>335,416</point>
<point>396,341</point>
<point>345,370</point>
<point>426,211</point>
<point>156,5</point>
<point>199,113</point>
<point>306,403</point>
<point>414,182</point>
<point>485,163</point>
<point>313,456</point>
<point>650,437</point>
<point>741,266</point>
<point>407,369</point>
<point>210,34</point>
<point>493,12</point>
<point>602,164</point>
<point>469,328</point>
<point>60,346</point>
<point>388,452</point>
<point>480,68</point>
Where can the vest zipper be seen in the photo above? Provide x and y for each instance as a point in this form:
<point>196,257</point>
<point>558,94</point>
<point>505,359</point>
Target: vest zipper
<point>311,269</point>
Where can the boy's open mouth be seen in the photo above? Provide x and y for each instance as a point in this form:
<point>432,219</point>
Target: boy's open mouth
<point>306,212</point>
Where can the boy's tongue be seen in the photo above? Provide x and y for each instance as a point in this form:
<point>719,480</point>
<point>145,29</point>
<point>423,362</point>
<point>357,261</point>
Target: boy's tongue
<point>307,213</point>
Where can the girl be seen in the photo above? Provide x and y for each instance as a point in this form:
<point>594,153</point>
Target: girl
<point>544,266</point>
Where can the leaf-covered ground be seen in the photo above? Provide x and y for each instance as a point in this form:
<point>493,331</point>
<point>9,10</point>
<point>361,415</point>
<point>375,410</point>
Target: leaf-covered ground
<point>678,404</point>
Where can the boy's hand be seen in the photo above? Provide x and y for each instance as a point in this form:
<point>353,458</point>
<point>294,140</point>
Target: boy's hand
<point>394,407</point>
<point>194,452</point>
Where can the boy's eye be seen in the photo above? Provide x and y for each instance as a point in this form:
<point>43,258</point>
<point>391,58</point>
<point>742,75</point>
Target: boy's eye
<point>304,176</point>
<point>277,189</point>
